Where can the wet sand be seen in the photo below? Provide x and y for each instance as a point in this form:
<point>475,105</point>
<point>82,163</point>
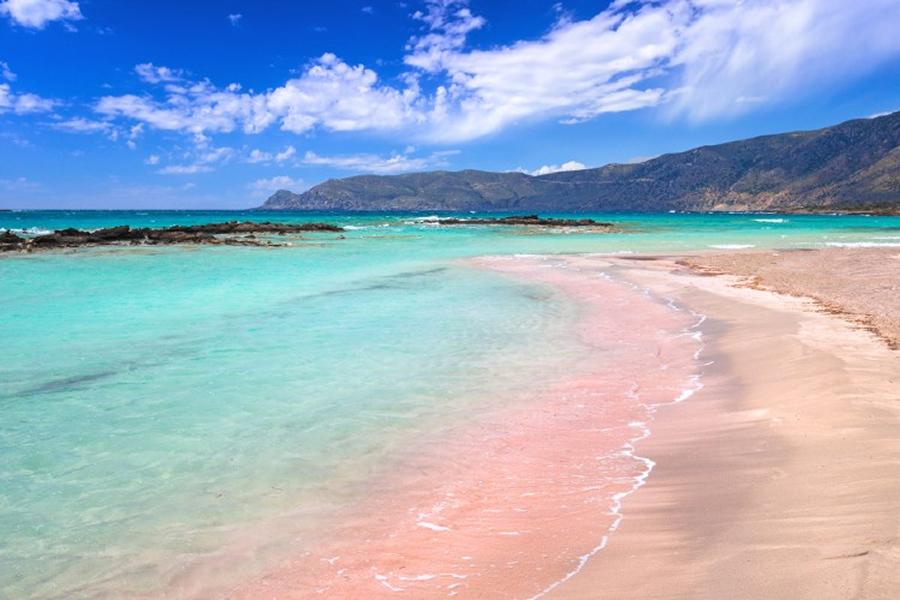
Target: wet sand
<point>516,502</point>
<point>781,478</point>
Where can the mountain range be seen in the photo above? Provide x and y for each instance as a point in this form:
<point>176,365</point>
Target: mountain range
<point>852,166</point>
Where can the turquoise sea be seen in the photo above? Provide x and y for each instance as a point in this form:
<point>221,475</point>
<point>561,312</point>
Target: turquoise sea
<point>167,411</point>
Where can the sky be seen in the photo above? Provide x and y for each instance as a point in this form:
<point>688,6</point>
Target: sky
<point>172,104</point>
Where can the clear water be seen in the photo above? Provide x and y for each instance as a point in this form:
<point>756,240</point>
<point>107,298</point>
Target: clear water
<point>157,404</point>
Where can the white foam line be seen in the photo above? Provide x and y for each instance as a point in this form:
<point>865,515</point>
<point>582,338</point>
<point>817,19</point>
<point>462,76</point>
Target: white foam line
<point>862,244</point>
<point>629,450</point>
<point>432,526</point>
<point>383,580</point>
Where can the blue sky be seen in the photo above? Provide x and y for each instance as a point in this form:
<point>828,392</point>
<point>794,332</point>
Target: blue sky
<point>110,104</point>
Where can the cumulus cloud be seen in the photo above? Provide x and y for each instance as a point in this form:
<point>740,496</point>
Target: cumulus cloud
<point>37,13</point>
<point>273,184</point>
<point>23,104</point>
<point>448,22</point>
<point>235,19</point>
<point>153,159</point>
<point>572,165</point>
<point>696,59</point>
<point>340,97</point>
<point>30,103</point>
<point>330,94</point>
<point>372,163</point>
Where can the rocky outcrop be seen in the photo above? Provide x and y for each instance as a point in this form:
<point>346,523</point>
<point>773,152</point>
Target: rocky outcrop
<point>533,220</point>
<point>231,232</point>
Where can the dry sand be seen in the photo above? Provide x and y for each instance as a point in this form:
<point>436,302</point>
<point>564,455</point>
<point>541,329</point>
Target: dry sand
<point>781,478</point>
<point>863,284</point>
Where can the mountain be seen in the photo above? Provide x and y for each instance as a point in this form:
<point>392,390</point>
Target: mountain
<point>851,166</point>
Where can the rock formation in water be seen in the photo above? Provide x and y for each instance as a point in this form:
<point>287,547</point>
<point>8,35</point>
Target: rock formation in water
<point>529,220</point>
<point>232,232</point>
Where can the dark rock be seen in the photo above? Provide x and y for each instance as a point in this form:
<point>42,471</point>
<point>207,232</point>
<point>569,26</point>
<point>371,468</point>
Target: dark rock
<point>8,238</point>
<point>180,234</point>
<point>112,233</point>
<point>533,220</point>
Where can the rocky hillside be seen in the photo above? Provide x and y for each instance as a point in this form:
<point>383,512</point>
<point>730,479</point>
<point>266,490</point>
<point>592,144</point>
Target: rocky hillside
<point>848,166</point>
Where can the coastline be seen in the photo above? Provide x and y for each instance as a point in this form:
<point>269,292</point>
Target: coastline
<point>780,475</point>
<point>781,478</point>
<point>513,504</point>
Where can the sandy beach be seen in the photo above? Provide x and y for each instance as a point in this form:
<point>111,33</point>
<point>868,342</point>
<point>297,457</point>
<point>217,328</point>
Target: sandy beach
<point>862,284</point>
<point>781,478</point>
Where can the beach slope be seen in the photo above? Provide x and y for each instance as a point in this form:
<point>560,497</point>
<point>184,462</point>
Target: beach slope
<point>781,478</point>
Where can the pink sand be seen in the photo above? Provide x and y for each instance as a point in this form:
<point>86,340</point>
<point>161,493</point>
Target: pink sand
<point>517,502</point>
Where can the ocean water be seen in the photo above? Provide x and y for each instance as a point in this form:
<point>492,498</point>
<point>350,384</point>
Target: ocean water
<point>176,418</point>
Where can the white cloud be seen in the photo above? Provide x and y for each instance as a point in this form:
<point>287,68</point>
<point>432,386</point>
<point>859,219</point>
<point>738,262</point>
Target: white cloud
<point>285,154</point>
<point>330,94</point>
<point>368,10</point>
<point>448,23</point>
<point>699,59</point>
<point>37,13</point>
<point>133,134</point>
<point>31,103</point>
<point>572,165</point>
<point>372,163</point>
<point>23,104</point>
<point>185,169</point>
<point>579,70</point>
<point>6,73</point>
<point>340,97</point>
<point>153,74</point>
<point>203,160</point>
<point>153,159</point>
<point>736,56</point>
<point>273,184</point>
<point>235,19</point>
<point>81,125</point>
<point>258,156</point>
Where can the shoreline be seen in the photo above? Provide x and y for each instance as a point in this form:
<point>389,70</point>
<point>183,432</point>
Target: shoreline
<point>514,505</point>
<point>743,500</point>
<point>731,493</point>
<point>780,472</point>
